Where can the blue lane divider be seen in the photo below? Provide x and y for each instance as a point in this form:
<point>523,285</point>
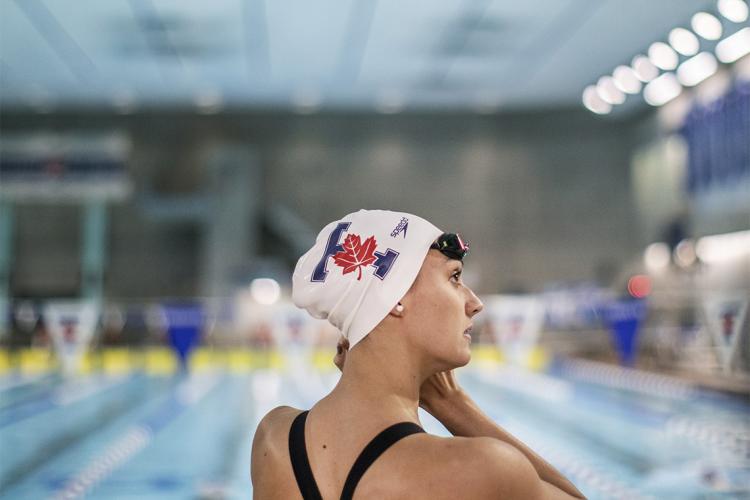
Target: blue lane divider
<point>185,394</point>
<point>51,400</point>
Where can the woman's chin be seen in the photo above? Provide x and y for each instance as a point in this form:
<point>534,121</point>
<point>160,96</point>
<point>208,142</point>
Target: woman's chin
<point>465,358</point>
<point>457,360</point>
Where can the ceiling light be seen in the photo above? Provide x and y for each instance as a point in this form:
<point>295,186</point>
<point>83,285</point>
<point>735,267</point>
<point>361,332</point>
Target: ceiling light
<point>390,102</point>
<point>684,42</point>
<point>626,80</point>
<point>608,91</point>
<point>594,103</point>
<point>706,26</point>
<point>265,291</point>
<point>644,69</point>
<point>721,247</point>
<point>684,253</point>
<point>656,257</point>
<point>662,90</point>
<point>487,102</point>
<point>663,56</point>
<point>306,101</point>
<point>734,10</point>
<point>733,47</point>
<point>696,69</point>
<point>208,101</point>
<point>124,101</point>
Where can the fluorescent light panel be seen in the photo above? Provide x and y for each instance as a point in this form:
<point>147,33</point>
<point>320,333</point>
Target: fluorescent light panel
<point>734,10</point>
<point>663,56</point>
<point>684,42</point>
<point>706,25</point>
<point>626,80</point>
<point>696,69</point>
<point>733,47</point>
<point>594,103</point>
<point>662,90</point>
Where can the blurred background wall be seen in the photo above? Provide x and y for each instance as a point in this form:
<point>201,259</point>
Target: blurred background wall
<point>531,192</point>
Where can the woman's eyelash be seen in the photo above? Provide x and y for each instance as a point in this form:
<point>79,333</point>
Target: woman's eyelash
<point>456,275</point>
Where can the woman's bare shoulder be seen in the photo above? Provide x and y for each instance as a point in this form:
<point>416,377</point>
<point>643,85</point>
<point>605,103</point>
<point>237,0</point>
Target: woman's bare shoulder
<point>268,447</point>
<point>279,413</point>
<point>275,420</point>
<point>488,467</point>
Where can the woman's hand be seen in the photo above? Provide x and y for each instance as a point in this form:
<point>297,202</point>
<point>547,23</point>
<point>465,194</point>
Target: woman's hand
<point>342,347</point>
<point>439,388</point>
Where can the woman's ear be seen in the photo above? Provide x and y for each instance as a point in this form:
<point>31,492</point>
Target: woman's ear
<point>398,310</point>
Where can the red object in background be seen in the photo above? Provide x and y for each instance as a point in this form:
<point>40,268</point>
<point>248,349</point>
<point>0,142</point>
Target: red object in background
<point>639,286</point>
<point>54,168</point>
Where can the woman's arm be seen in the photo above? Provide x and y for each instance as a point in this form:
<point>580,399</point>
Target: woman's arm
<point>443,398</point>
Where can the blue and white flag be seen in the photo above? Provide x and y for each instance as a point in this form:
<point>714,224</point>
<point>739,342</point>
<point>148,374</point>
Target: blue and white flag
<point>71,324</point>
<point>516,321</point>
<point>624,318</point>
<point>184,324</point>
<point>724,317</point>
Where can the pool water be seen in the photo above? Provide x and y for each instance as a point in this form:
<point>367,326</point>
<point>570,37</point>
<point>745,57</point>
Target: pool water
<point>615,433</point>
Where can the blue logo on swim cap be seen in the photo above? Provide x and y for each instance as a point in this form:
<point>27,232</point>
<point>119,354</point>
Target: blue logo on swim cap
<point>382,264</point>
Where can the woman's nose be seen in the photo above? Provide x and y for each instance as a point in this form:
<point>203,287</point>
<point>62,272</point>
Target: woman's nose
<point>473,305</point>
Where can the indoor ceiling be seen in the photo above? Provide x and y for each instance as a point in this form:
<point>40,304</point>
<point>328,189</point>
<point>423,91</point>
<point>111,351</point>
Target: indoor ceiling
<point>349,54</point>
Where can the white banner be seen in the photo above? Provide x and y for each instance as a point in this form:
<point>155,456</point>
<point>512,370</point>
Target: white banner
<point>71,324</point>
<point>725,317</point>
<point>516,322</point>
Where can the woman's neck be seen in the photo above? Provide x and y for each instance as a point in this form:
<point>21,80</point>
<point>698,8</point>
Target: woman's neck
<point>383,380</point>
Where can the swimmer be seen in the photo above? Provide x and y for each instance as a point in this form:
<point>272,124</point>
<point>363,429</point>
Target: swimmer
<point>391,283</point>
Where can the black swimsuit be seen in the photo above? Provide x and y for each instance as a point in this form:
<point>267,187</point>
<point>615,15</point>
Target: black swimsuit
<point>301,465</point>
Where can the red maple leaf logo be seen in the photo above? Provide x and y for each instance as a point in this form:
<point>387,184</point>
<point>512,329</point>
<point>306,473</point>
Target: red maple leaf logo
<point>356,254</point>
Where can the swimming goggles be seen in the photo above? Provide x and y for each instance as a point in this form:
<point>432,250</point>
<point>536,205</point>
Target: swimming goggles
<point>451,245</point>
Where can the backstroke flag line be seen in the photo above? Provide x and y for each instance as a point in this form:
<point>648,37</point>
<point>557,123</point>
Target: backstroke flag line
<point>71,324</point>
<point>725,317</point>
<point>184,324</point>
<point>624,318</point>
<point>517,323</point>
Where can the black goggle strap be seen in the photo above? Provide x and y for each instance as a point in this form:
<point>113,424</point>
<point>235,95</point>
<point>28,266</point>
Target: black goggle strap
<point>451,245</point>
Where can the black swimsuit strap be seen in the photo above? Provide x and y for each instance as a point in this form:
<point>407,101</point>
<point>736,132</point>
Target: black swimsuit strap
<point>373,450</point>
<point>300,464</point>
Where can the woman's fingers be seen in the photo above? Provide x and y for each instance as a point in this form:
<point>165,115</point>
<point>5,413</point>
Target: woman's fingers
<point>441,385</point>
<point>341,349</point>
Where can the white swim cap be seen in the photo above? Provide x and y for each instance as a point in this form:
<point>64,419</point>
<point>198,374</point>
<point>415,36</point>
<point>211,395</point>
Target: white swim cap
<point>360,267</point>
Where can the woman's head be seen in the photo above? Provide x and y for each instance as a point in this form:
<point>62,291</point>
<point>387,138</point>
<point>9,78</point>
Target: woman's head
<point>364,264</point>
<point>437,311</point>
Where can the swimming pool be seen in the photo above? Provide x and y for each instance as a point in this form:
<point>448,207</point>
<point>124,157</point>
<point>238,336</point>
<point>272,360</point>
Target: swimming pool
<point>616,433</point>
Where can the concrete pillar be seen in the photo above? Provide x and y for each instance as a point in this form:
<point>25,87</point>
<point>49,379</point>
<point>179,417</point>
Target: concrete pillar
<point>94,250</point>
<point>231,230</point>
<point>6,257</point>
